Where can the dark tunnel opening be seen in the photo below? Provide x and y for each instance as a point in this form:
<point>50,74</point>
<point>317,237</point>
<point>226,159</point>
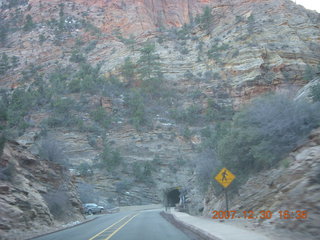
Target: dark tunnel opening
<point>173,197</point>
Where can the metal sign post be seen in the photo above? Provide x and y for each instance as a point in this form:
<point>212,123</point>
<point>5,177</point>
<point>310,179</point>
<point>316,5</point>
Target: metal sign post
<point>226,193</point>
<point>225,178</point>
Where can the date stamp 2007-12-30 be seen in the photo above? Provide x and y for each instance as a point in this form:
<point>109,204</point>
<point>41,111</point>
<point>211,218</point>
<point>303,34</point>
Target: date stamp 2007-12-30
<point>286,214</point>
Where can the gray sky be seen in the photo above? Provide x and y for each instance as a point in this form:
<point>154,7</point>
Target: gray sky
<point>309,4</point>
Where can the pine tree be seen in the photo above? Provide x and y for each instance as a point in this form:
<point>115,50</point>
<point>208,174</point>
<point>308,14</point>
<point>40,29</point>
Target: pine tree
<point>4,63</point>
<point>3,34</point>
<point>127,69</point>
<point>149,68</point>
<point>28,24</point>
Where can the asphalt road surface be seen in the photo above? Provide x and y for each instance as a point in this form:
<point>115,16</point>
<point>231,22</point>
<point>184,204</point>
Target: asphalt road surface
<point>143,225</point>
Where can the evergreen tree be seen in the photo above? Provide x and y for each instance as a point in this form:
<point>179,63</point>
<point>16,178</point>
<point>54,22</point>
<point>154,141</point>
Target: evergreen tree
<point>14,61</point>
<point>29,24</point>
<point>205,19</point>
<point>127,69</point>
<point>3,33</point>
<point>149,68</point>
<point>4,63</point>
<point>137,108</point>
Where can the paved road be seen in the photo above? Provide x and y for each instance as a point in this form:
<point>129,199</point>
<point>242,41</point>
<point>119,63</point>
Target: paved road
<point>144,225</point>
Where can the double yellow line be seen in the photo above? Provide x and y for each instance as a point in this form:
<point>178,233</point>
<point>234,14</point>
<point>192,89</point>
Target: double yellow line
<point>116,230</point>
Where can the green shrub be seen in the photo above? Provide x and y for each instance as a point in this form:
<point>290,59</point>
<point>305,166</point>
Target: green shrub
<point>65,120</point>
<point>183,33</point>
<point>20,105</point>
<point>250,24</point>
<point>189,75</point>
<point>62,115</point>
<point>215,51</point>
<point>75,85</point>
<point>91,46</point>
<point>186,133</point>
<point>142,171</point>
<point>87,192</point>
<point>4,63</point>
<point>89,27</point>
<point>184,50</point>
<point>190,115</point>
<point>59,78</point>
<point>52,150</point>
<point>42,39</point>
<point>205,19</point>
<point>58,203</point>
<point>206,165</point>
<point>8,172</point>
<point>3,34</point>
<point>137,109</point>
<point>77,57</point>
<point>3,109</point>
<point>235,53</point>
<point>315,93</point>
<point>149,69</point>
<point>110,158</point>
<point>215,112</point>
<point>62,105</point>
<point>2,143</point>
<point>14,61</point>
<point>87,79</point>
<point>212,136</point>
<point>29,24</point>
<point>128,69</point>
<point>309,73</point>
<point>265,131</point>
<point>156,160</point>
<point>102,117</point>
<point>123,186</point>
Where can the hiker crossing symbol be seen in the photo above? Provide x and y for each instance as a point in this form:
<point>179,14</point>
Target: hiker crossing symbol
<point>225,177</point>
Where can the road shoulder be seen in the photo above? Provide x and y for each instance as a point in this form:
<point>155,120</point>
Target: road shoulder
<point>59,227</point>
<point>208,229</point>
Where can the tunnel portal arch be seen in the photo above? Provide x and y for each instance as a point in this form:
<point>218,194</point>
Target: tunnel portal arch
<point>172,197</point>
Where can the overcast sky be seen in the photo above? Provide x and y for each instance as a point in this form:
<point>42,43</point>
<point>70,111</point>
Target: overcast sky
<point>310,4</point>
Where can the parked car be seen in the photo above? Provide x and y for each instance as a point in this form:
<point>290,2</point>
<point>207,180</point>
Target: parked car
<point>92,208</point>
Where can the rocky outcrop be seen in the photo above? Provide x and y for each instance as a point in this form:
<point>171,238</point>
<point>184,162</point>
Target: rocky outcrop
<point>267,44</point>
<point>293,187</point>
<point>304,93</point>
<point>141,17</point>
<point>250,47</point>
<point>34,194</point>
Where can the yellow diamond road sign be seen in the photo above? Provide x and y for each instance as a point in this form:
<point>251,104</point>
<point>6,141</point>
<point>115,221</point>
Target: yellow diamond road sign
<point>225,177</point>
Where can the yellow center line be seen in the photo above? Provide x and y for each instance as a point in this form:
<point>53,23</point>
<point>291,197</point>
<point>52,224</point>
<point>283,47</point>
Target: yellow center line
<point>121,227</point>
<point>98,234</point>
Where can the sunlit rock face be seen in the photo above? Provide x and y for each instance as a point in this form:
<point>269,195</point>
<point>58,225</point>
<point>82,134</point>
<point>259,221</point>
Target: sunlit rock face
<point>137,16</point>
<point>146,15</point>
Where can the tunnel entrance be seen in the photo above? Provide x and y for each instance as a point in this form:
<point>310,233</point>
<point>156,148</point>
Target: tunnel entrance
<point>172,197</point>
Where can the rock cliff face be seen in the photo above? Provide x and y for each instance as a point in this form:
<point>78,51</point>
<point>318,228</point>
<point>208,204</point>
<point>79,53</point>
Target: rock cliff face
<point>248,48</point>
<point>291,188</point>
<point>34,194</point>
<point>145,16</point>
<point>254,44</point>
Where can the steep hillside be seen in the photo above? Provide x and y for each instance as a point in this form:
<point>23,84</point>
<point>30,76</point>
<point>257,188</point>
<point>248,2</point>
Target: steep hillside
<point>127,91</point>
<point>35,194</point>
<point>293,188</point>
